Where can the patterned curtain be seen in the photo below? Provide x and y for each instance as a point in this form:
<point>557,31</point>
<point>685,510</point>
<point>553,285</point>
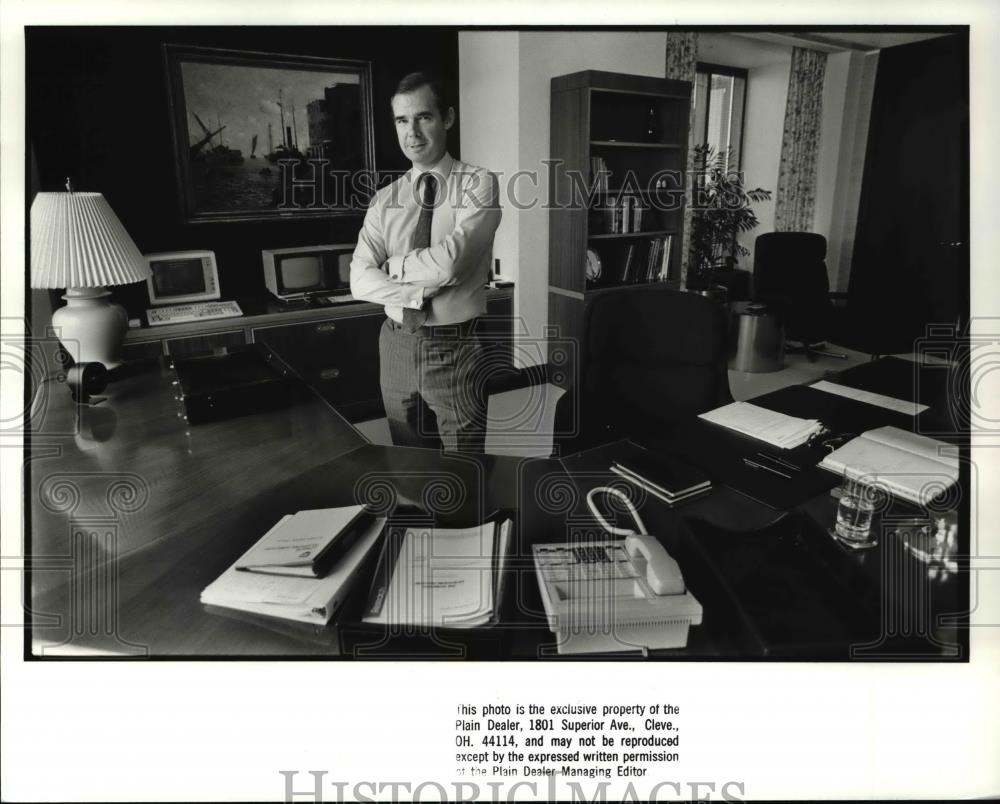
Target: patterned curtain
<point>795,198</point>
<point>682,57</point>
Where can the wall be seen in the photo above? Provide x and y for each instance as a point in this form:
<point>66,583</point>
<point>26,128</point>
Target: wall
<point>847,91</point>
<point>505,94</point>
<point>487,88</point>
<point>97,109</point>
<point>768,67</point>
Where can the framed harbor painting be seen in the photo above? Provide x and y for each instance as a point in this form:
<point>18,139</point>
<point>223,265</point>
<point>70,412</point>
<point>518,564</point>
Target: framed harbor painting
<point>264,136</point>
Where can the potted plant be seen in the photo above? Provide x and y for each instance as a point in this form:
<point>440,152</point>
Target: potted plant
<point>722,208</point>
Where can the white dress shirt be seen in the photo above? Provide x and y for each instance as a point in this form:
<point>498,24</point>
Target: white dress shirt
<point>451,274</point>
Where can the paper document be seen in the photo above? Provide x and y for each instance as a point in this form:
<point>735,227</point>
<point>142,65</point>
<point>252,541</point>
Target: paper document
<point>910,466</point>
<point>442,577</point>
<point>769,426</point>
<point>296,543</point>
<point>294,598</point>
<point>882,401</point>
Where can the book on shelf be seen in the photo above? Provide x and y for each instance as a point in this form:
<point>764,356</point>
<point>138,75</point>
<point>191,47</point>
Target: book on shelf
<point>624,214</point>
<point>430,576</point>
<point>628,263</point>
<point>638,213</point>
<point>668,242</point>
<point>909,465</point>
<point>299,598</point>
<point>598,174</point>
<point>652,258</point>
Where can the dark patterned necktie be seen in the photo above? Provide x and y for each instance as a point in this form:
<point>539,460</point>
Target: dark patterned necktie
<point>414,319</point>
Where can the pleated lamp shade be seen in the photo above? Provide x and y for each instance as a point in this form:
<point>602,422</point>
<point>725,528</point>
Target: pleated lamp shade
<point>77,241</point>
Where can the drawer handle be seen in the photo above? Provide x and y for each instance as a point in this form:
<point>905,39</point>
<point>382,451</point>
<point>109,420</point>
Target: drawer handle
<point>328,327</point>
<point>329,374</point>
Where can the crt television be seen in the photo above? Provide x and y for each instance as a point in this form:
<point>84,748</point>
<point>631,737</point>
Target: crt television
<point>297,273</point>
<point>182,276</point>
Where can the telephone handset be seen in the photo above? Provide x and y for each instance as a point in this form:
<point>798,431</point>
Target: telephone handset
<point>663,574</point>
<point>614,595</point>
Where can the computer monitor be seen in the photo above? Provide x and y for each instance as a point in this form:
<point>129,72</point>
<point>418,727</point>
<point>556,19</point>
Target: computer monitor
<point>296,273</point>
<point>182,276</point>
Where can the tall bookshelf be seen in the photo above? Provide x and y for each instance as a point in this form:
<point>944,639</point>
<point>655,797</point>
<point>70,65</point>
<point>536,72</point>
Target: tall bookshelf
<point>616,188</point>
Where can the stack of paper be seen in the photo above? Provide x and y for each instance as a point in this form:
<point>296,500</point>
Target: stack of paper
<point>769,426</point>
<point>289,597</point>
<point>440,576</point>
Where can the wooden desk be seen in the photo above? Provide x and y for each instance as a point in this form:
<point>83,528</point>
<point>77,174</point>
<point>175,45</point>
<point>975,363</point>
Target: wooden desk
<point>133,513</point>
<point>125,532</point>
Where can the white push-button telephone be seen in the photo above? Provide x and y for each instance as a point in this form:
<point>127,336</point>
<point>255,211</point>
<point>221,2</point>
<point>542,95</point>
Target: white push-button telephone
<point>614,595</point>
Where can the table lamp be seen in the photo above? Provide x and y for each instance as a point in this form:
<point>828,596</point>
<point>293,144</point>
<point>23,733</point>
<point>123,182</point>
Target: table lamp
<point>78,243</point>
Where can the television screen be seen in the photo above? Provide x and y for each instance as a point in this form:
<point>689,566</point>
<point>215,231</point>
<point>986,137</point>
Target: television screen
<point>301,273</point>
<point>344,267</point>
<point>178,277</point>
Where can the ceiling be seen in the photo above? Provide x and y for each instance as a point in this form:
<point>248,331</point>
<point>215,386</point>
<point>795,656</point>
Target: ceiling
<point>834,41</point>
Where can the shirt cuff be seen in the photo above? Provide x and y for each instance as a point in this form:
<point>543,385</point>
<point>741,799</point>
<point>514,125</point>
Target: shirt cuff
<point>394,267</point>
<point>412,296</point>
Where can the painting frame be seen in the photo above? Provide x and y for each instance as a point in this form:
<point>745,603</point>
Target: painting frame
<point>289,183</point>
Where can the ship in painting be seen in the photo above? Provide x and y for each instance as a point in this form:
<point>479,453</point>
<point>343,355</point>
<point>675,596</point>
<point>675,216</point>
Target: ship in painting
<point>288,147</point>
<point>214,154</point>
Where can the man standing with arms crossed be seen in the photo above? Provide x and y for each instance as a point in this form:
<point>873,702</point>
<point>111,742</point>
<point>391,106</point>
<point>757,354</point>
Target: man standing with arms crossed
<point>424,253</point>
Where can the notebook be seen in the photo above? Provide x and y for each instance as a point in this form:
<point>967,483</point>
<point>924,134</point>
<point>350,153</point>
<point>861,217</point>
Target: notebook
<point>308,543</point>
<point>906,464</point>
<point>286,597</point>
<point>666,477</point>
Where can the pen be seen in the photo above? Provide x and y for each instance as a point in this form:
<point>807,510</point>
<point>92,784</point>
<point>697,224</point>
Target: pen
<point>755,465</point>
<point>781,461</point>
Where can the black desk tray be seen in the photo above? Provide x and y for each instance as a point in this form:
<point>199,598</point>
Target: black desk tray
<point>224,386</point>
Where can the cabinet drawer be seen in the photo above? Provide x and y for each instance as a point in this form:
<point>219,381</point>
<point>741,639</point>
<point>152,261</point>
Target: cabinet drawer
<point>323,345</point>
<point>142,350</point>
<point>204,344</point>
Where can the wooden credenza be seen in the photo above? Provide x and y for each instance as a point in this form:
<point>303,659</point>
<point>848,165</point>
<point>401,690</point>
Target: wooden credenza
<point>334,349</point>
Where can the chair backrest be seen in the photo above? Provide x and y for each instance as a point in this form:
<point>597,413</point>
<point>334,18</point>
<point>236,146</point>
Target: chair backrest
<point>791,264</point>
<point>649,357</point>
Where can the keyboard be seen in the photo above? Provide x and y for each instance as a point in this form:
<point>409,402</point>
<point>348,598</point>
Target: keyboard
<point>183,313</point>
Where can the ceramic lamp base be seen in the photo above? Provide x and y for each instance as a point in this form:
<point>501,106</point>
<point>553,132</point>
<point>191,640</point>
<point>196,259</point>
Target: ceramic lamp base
<point>90,327</point>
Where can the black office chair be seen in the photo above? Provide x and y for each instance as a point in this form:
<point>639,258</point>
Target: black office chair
<point>650,357</point>
<point>789,272</point>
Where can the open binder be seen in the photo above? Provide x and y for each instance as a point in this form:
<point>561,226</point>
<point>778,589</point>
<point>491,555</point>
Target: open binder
<point>440,577</point>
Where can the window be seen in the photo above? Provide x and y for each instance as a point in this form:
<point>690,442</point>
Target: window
<point>719,99</point>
